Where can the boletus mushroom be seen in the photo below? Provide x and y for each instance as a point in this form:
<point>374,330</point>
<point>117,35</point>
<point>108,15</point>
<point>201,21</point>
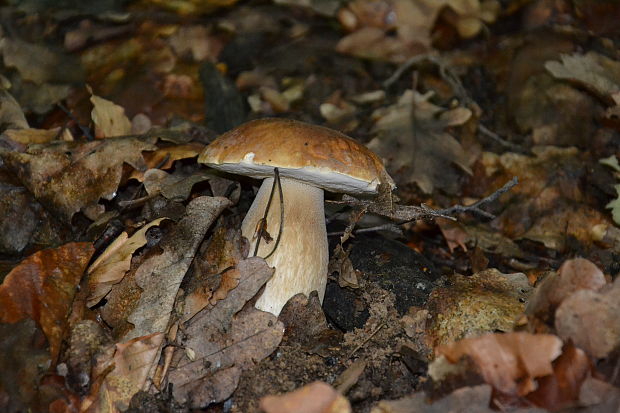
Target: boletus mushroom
<point>309,159</point>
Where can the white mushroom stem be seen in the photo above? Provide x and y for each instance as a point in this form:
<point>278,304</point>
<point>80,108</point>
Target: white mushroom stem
<point>301,257</point>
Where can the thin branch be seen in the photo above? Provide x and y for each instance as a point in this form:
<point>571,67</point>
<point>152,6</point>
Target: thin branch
<point>384,227</point>
<point>408,213</point>
<point>475,208</point>
<point>498,139</point>
<point>404,67</point>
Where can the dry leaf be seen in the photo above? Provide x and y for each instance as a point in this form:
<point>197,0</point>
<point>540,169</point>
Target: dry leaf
<point>125,369</point>
<point>371,21</point>
<point>163,158</point>
<point>67,176</point>
<point>223,344</point>
<point>30,135</point>
<point>412,139</point>
<point>160,276</point>
<point>42,287</point>
<point>472,14</point>
<point>464,400</point>
<point>215,273</point>
<point>11,115</point>
<point>592,70</point>
<point>574,275</point>
<point>113,263</point>
<point>317,397</point>
<point>509,362</point>
<point>589,319</point>
<point>109,118</point>
<point>561,389</point>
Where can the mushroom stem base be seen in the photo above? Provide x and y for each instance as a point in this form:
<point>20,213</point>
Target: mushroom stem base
<point>302,255</point>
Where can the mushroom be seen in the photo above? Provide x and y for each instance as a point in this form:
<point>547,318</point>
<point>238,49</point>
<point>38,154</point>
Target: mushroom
<point>309,159</point>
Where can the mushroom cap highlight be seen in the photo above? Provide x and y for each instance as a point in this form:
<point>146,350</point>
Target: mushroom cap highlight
<point>309,153</point>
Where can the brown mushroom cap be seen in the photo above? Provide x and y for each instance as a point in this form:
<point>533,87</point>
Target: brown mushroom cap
<point>313,154</point>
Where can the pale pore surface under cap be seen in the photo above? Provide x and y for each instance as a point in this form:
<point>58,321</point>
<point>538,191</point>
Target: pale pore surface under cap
<point>310,153</point>
<point>301,258</point>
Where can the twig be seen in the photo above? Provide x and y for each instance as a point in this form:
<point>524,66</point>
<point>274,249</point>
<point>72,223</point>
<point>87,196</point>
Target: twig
<point>384,227</point>
<point>475,208</point>
<point>404,67</point>
<point>509,145</point>
<point>365,340</point>
<point>396,212</point>
<point>408,213</point>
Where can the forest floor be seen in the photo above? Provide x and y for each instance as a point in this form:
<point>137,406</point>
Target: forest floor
<point>487,281</point>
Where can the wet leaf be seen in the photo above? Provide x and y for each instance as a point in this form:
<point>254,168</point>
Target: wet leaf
<point>317,397</point>
<point>215,274</point>
<point>176,186</point>
<point>42,287</point>
<point>413,140</point>
<point>164,158</point>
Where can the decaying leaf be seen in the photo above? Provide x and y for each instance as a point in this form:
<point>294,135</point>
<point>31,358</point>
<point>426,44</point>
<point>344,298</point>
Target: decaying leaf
<point>589,319</point>
<point>317,397</point>
<point>113,263</point>
<point>42,287</point>
<point>485,302</point>
<point>67,176</point>
<point>509,362</point>
<point>225,344</point>
<point>412,139</point>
